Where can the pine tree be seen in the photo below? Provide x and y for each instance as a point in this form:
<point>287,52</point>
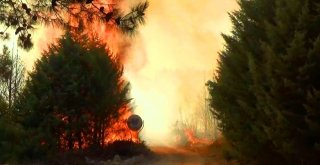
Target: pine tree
<point>11,132</point>
<point>12,84</point>
<point>5,65</point>
<point>266,91</point>
<point>71,96</point>
<point>232,91</point>
<point>291,64</point>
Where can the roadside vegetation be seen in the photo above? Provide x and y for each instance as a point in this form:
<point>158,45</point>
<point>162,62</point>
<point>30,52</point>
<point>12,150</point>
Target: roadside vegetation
<point>266,90</point>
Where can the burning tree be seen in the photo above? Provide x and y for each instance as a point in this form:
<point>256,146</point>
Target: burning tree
<point>76,96</point>
<point>23,16</point>
<point>72,96</point>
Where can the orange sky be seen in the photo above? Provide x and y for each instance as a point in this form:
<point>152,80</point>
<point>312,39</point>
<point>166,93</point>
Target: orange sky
<point>170,60</point>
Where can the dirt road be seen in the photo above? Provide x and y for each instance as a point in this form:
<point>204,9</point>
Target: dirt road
<point>172,156</point>
<point>187,156</point>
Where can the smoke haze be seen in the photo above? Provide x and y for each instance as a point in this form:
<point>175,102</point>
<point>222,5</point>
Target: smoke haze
<point>171,60</point>
<point>168,62</point>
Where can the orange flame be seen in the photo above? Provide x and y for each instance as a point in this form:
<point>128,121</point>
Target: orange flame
<point>117,44</point>
<point>194,140</point>
<point>105,31</point>
<point>119,129</point>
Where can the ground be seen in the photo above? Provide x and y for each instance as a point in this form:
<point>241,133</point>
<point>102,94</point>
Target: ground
<point>165,155</point>
<point>188,156</point>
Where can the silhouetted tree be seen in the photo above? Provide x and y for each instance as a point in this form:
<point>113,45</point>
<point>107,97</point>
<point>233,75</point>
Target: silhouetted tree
<point>266,91</point>
<point>233,99</point>
<point>5,64</point>
<point>13,82</point>
<point>23,15</point>
<point>288,81</point>
<point>3,106</point>
<point>71,96</point>
<point>11,132</point>
<point>5,73</point>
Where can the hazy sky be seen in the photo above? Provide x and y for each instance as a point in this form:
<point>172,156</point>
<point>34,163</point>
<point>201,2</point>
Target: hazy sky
<point>172,59</point>
<point>169,61</point>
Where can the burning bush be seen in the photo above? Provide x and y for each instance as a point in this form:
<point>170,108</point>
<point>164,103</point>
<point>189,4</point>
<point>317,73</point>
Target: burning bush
<point>72,97</point>
<point>76,97</point>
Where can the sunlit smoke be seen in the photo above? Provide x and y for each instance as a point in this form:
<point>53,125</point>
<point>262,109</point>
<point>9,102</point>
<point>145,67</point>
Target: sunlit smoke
<point>167,62</point>
<point>171,60</point>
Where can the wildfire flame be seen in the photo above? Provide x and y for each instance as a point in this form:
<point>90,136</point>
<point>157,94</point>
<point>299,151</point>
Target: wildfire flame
<point>117,44</point>
<point>194,140</point>
<point>119,129</point>
<point>105,31</point>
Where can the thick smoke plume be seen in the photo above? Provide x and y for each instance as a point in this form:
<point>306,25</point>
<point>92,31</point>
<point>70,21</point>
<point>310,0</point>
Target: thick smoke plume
<point>167,62</point>
<point>171,60</point>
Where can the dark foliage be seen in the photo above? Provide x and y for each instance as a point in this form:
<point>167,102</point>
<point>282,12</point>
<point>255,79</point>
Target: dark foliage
<point>123,149</point>
<point>266,91</point>
<point>74,92</point>
<point>11,80</point>
<point>127,149</point>
<point>5,64</point>
<point>23,16</point>
<point>12,76</point>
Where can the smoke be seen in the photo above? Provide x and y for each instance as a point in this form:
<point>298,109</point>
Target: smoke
<point>167,62</point>
<point>171,60</point>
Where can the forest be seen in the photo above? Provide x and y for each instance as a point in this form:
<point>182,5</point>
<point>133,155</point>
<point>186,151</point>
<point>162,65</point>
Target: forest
<point>266,91</point>
<point>264,95</point>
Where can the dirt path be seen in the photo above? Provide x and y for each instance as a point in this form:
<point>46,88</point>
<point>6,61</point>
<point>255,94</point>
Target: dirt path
<point>171,156</point>
<point>187,156</point>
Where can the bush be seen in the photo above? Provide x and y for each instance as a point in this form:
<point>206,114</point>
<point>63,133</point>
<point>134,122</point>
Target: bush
<point>72,95</point>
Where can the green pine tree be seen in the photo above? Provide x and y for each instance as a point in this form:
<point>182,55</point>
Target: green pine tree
<point>290,71</point>
<point>266,91</point>
<point>71,96</point>
<point>232,90</point>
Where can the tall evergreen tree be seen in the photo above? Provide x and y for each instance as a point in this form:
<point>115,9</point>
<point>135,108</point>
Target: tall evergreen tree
<point>5,64</point>
<point>12,84</point>
<point>5,73</point>
<point>266,90</point>
<point>71,96</point>
<point>10,131</point>
<point>291,61</point>
<point>232,91</point>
